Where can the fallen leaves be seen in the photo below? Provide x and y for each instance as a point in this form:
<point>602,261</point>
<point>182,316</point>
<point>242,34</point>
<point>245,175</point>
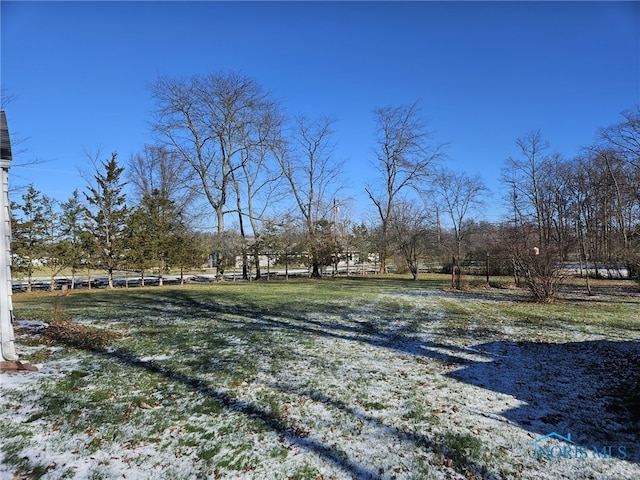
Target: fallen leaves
<point>77,335</point>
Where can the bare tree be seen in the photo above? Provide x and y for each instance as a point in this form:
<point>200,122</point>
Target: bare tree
<point>6,98</point>
<point>526,177</point>
<point>541,272</point>
<point>158,169</point>
<point>407,232</point>
<point>211,121</point>
<point>460,195</point>
<point>256,184</point>
<point>604,189</point>
<point>624,137</point>
<point>405,155</point>
<point>312,172</point>
<point>582,213</point>
<point>530,181</point>
<point>619,147</point>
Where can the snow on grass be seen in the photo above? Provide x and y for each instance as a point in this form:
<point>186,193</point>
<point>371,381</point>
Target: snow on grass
<point>393,382</point>
<point>156,358</point>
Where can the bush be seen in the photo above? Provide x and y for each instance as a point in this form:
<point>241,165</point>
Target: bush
<point>541,272</point>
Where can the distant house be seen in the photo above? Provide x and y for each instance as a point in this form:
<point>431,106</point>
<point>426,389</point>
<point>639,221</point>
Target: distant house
<point>264,261</point>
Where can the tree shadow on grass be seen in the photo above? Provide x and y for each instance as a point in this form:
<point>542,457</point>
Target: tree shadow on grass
<point>589,389</point>
<point>288,432</point>
<point>232,404</point>
<point>253,320</point>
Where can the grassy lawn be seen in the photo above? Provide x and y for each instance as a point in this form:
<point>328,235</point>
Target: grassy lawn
<point>336,378</point>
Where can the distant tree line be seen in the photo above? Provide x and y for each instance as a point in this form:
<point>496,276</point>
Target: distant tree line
<point>231,175</point>
<point>585,209</point>
<point>98,231</point>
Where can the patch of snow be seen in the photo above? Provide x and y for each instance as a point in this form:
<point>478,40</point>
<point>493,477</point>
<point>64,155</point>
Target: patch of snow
<point>357,395</point>
<point>156,358</point>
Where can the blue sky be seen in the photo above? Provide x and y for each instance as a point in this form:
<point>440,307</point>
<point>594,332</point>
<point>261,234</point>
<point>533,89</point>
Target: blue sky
<point>484,72</point>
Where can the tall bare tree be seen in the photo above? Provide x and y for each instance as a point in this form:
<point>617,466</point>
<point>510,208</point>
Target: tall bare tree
<point>460,195</point>
<point>535,251</point>
<point>405,154</point>
<point>603,189</point>
<point>619,146</point>
<point>312,173</point>
<point>256,185</point>
<point>526,177</point>
<point>211,121</point>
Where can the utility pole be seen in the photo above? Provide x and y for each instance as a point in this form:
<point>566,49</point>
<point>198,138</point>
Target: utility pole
<point>8,357</point>
<point>335,237</point>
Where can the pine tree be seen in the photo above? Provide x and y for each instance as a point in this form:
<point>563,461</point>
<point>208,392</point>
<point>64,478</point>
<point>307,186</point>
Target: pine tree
<point>189,250</point>
<point>54,249</point>
<point>29,228</point>
<point>74,238</point>
<point>106,217</point>
<point>152,233</point>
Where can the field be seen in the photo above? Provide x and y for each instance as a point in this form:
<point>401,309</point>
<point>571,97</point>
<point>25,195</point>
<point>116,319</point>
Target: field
<point>339,378</point>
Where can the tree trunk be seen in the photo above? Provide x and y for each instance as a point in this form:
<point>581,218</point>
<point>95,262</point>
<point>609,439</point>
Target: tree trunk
<point>347,260</point>
<point>256,259</point>
<point>218,253</point>
<point>414,272</point>
<point>383,260</point>
<point>315,273</point>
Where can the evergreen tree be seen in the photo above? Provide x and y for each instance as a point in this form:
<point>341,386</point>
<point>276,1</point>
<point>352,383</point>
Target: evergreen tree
<point>153,227</point>
<point>361,242</point>
<point>189,250</point>
<point>137,241</point>
<point>74,236</point>
<point>28,230</point>
<point>106,216</point>
<point>53,247</point>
